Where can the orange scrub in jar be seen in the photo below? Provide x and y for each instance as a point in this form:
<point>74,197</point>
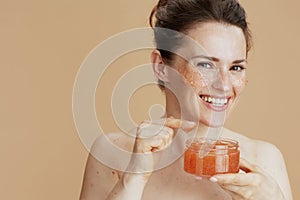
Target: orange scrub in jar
<point>223,157</point>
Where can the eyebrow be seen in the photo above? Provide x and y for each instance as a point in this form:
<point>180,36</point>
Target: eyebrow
<point>218,60</point>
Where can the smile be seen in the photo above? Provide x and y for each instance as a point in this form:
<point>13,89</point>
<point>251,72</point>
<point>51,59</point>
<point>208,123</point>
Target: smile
<point>217,102</point>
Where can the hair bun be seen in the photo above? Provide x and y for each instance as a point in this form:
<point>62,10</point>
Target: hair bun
<point>163,3</point>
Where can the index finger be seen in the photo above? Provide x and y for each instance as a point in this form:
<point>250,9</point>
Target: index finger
<point>234,179</point>
<point>178,123</point>
<point>174,123</point>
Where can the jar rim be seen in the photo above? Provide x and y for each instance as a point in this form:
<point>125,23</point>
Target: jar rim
<point>219,144</point>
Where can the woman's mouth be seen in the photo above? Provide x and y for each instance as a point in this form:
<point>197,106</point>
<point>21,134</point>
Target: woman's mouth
<point>215,103</point>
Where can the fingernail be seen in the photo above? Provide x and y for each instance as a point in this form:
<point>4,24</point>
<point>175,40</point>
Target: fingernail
<point>189,124</point>
<point>213,179</point>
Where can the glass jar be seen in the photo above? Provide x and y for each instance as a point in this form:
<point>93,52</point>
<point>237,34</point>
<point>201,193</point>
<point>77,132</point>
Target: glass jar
<point>219,157</point>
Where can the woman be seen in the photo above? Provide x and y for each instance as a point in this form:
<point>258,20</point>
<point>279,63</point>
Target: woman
<point>209,85</point>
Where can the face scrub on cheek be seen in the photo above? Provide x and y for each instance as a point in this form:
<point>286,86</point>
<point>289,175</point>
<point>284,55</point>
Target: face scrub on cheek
<point>192,76</point>
<point>222,158</point>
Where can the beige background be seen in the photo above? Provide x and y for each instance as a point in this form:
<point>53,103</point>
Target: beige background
<point>42,45</point>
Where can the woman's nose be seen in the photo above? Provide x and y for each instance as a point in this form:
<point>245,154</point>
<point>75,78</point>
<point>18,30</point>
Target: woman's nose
<point>222,82</point>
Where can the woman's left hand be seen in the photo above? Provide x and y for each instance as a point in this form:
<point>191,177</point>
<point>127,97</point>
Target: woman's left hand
<point>254,184</point>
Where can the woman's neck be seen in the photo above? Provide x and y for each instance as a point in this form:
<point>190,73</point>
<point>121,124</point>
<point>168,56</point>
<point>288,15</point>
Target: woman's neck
<point>208,132</point>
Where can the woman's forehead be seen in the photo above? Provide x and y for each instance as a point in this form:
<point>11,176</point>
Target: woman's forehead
<point>222,41</point>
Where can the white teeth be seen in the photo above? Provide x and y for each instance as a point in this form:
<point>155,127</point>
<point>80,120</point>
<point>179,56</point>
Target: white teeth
<point>215,101</point>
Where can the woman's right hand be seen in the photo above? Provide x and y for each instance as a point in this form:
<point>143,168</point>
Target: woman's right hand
<point>152,137</point>
<point>157,135</point>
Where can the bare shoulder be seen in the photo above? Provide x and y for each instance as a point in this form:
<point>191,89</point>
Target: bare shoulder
<point>113,150</point>
<point>108,157</point>
<point>119,140</point>
<point>256,149</point>
<point>267,150</point>
<point>270,159</point>
<point>266,156</point>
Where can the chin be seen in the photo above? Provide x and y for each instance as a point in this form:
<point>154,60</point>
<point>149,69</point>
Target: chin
<point>212,124</point>
<point>214,120</point>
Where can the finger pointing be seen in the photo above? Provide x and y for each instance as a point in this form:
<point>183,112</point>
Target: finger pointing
<point>178,123</point>
<point>173,123</point>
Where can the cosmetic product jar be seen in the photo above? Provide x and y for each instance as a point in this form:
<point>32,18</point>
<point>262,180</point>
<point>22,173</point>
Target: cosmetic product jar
<point>206,158</point>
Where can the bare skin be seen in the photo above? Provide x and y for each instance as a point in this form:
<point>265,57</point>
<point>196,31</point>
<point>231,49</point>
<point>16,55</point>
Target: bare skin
<point>172,183</point>
<point>217,74</point>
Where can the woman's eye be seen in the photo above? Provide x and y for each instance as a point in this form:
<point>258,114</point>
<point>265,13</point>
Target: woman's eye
<point>204,65</point>
<point>237,68</point>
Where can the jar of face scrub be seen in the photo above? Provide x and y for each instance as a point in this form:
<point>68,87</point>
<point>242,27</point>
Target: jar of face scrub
<point>207,158</point>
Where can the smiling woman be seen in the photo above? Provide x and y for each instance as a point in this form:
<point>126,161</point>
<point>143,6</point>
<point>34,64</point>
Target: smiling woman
<point>199,100</point>
<point>219,78</point>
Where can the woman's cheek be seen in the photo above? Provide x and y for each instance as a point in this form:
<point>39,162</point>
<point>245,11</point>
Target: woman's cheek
<point>192,77</point>
<point>239,83</point>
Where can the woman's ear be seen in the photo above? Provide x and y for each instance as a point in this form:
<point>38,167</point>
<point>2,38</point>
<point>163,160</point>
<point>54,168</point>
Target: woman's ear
<point>159,68</point>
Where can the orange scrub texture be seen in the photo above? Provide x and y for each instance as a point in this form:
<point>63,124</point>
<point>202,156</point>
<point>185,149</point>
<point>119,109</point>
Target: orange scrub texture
<point>217,161</point>
<point>192,76</point>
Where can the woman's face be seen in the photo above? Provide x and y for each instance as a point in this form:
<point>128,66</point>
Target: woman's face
<point>217,76</point>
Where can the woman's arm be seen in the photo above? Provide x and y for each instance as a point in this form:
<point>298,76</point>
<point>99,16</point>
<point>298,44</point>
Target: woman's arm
<point>129,187</point>
<point>102,182</point>
<point>99,179</point>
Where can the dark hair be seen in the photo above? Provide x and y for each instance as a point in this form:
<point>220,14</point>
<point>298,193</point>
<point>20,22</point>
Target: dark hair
<point>181,15</point>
